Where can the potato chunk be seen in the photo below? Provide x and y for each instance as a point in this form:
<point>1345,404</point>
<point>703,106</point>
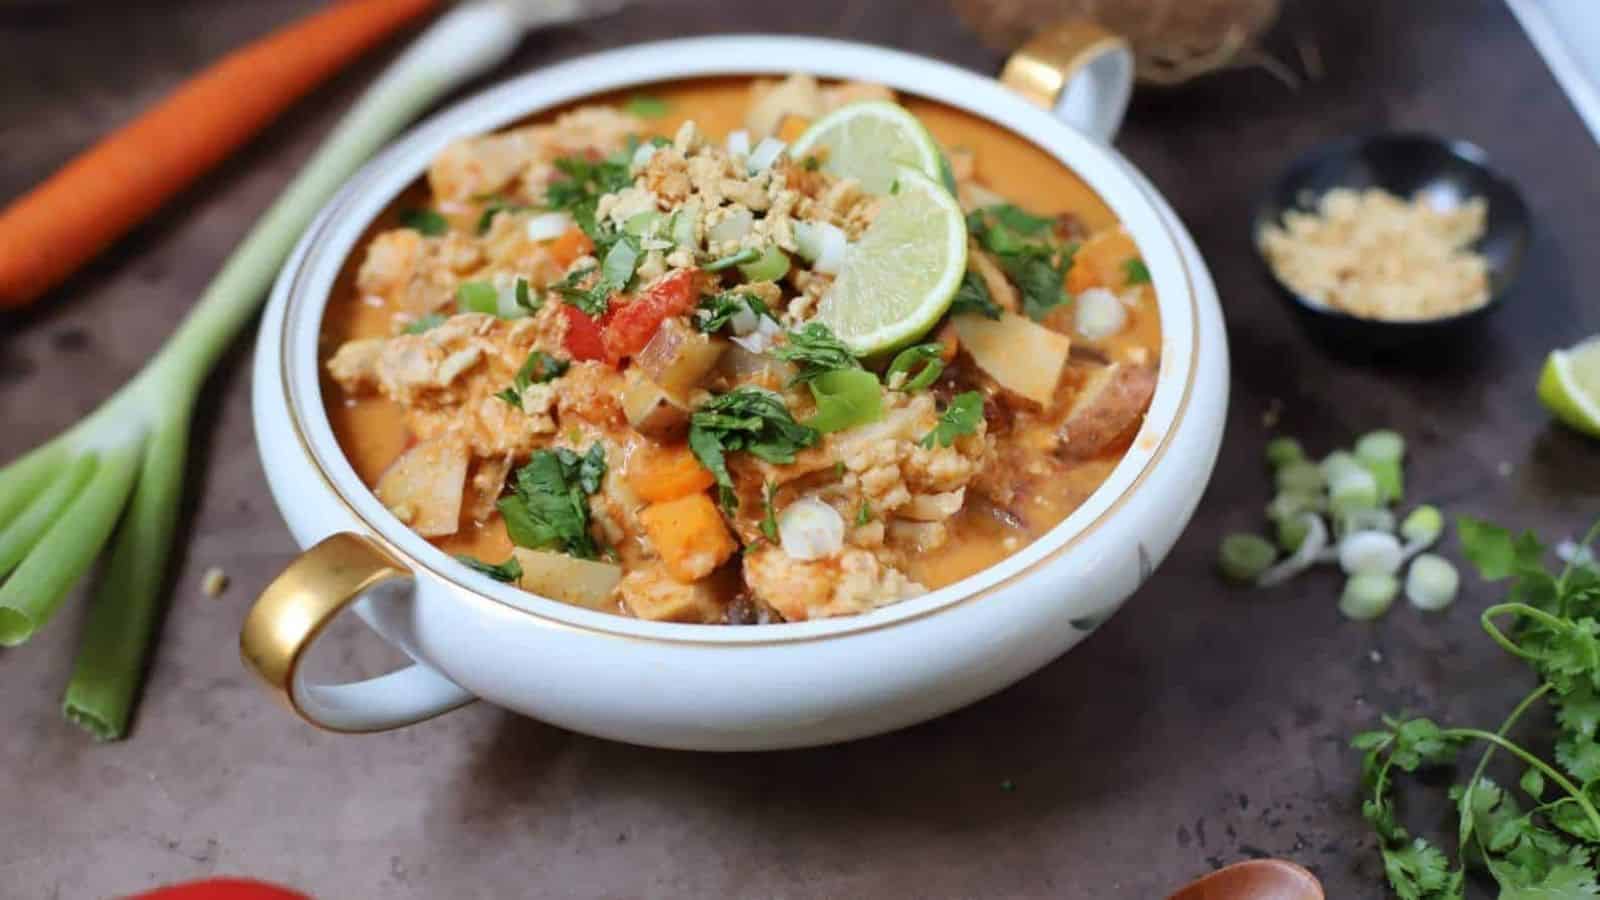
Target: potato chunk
<point>1110,404</point>
<point>424,487</point>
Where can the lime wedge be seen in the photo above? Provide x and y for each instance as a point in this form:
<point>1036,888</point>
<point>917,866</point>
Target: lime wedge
<point>1569,386</point>
<point>900,277</point>
<point>868,141</point>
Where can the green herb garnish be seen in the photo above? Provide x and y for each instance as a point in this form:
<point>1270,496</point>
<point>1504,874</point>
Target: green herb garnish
<point>495,207</point>
<point>845,398</point>
<point>745,419</point>
<point>646,106</point>
<point>769,520</point>
<point>747,255</point>
<point>1136,272</point>
<point>717,310</point>
<point>1019,220</point>
<point>509,571</point>
<point>1547,848</point>
<point>538,368</point>
<point>549,507</point>
<point>580,191</point>
<point>814,349</point>
<point>1037,267</point>
<point>960,417</point>
<point>525,298</point>
<point>478,297</point>
<point>864,514</point>
<point>418,326</point>
<point>426,221</point>
<point>973,298</point>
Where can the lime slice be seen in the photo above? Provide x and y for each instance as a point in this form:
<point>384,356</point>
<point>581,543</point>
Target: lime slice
<point>1569,386</point>
<point>868,141</point>
<point>900,277</point>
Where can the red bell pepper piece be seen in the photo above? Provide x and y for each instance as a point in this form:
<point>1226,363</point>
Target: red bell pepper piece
<point>583,339</point>
<point>630,326</point>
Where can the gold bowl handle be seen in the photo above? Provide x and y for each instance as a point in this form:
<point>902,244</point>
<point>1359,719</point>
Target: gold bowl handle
<point>295,609</point>
<point>1079,71</point>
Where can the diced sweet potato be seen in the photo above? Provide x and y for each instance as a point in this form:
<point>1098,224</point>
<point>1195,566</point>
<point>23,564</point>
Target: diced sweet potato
<point>659,473</point>
<point>425,486</point>
<point>689,536</point>
<point>1108,406</point>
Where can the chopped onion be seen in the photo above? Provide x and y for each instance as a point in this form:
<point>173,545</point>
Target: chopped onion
<point>744,321</point>
<point>641,156</point>
<point>739,143</point>
<point>1352,489</point>
<point>1316,540</point>
<point>505,299</point>
<point>548,226</point>
<point>809,529</point>
<point>1369,553</point>
<point>823,244</point>
<point>733,227</point>
<point>761,338</point>
<point>1368,596</point>
<point>683,222</point>
<point>1432,582</point>
<point>1100,314</point>
<point>765,154</point>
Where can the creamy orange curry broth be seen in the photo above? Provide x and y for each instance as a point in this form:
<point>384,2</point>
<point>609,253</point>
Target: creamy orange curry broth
<point>1042,482</point>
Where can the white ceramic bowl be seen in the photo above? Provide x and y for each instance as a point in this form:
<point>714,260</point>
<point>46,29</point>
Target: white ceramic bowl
<point>704,686</point>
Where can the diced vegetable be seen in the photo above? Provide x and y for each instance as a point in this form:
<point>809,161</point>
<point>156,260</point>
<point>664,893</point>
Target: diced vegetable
<point>1390,479</point>
<point>732,227</point>
<point>581,582</point>
<point>739,143</point>
<point>549,226</point>
<point>1432,582</point>
<point>650,410</point>
<point>1299,478</point>
<point>809,529</point>
<point>571,245</point>
<point>1292,504</point>
<point>1291,533</point>
<point>678,357</point>
<point>689,535</point>
<point>1353,489</point>
<point>1381,446</point>
<point>1339,464</point>
<point>1369,552</point>
<point>1099,314</point>
<point>1243,557</point>
<point>1282,451</point>
<point>425,486</point>
<point>1374,519</point>
<point>683,222</point>
<point>771,265</point>
<point>1309,551</point>
<point>1024,357</point>
<point>477,297</point>
<point>823,244</point>
<point>1422,527</point>
<point>1108,407</point>
<point>1368,596</point>
<point>738,258</point>
<point>845,398</point>
<point>644,223</point>
<point>584,339</point>
<point>920,366</point>
<point>630,326</point>
<point>766,153</point>
<point>659,473</point>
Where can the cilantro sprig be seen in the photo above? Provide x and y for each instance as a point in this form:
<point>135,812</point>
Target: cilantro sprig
<point>960,417</point>
<point>746,419</point>
<point>538,368</point>
<point>1543,845</point>
<point>509,571</point>
<point>1025,247</point>
<point>814,349</point>
<point>549,505</point>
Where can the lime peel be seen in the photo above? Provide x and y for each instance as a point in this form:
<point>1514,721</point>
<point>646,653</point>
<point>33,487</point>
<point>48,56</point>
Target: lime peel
<point>1569,386</point>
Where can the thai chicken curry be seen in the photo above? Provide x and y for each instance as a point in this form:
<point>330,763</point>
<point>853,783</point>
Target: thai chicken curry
<point>741,351</point>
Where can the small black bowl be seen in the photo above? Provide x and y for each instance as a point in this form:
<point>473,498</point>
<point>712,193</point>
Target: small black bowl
<point>1404,165</point>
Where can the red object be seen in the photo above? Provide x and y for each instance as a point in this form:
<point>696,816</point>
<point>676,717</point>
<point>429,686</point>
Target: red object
<point>628,328</point>
<point>222,889</point>
<point>583,340</point>
<point>129,174</point>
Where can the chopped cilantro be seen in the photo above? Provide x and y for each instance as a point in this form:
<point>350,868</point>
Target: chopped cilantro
<point>508,571</point>
<point>1136,272</point>
<point>549,506</point>
<point>426,221</point>
<point>960,417</point>
<point>580,191</point>
<point>431,320</point>
<point>1037,267</point>
<point>1019,220</point>
<point>973,298</point>
<point>864,514</point>
<point>811,163</point>
<point>615,271</point>
<point>646,106</point>
<point>745,419</point>
<point>477,297</point>
<point>525,298</point>
<point>495,207</point>
<point>538,368</point>
<point>815,349</point>
<point>717,310</point>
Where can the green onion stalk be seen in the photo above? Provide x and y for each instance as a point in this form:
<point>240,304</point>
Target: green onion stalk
<point>117,476</point>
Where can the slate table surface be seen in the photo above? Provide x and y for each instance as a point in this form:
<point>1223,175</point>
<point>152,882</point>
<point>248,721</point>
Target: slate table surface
<point>1200,726</point>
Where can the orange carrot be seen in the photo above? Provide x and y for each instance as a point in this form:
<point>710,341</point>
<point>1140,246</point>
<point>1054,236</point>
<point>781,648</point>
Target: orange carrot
<point>49,232</point>
<point>689,535</point>
<point>657,474</point>
<point>572,244</point>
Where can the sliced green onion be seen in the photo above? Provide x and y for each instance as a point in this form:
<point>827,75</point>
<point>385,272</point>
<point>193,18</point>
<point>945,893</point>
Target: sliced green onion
<point>1339,464</point>
<point>1381,446</point>
<point>1243,557</point>
<point>1300,478</point>
<point>1291,533</point>
<point>1303,558</point>
<point>621,261</point>
<point>771,265</point>
<point>1391,482</point>
<point>1282,451</point>
<point>477,297</point>
<point>1422,526</point>
<point>748,254</point>
<point>1375,519</point>
<point>906,362</point>
<point>1353,489</point>
<point>1367,597</point>
<point>845,398</point>
<point>1293,504</point>
<point>1432,582</point>
<point>683,222</point>
<point>642,224</point>
<point>1369,553</point>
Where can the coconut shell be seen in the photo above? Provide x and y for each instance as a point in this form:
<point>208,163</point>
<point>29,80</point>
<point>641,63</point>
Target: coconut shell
<point>1173,40</point>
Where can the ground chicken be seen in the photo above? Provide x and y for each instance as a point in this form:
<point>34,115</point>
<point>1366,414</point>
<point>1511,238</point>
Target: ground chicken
<point>852,582</point>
